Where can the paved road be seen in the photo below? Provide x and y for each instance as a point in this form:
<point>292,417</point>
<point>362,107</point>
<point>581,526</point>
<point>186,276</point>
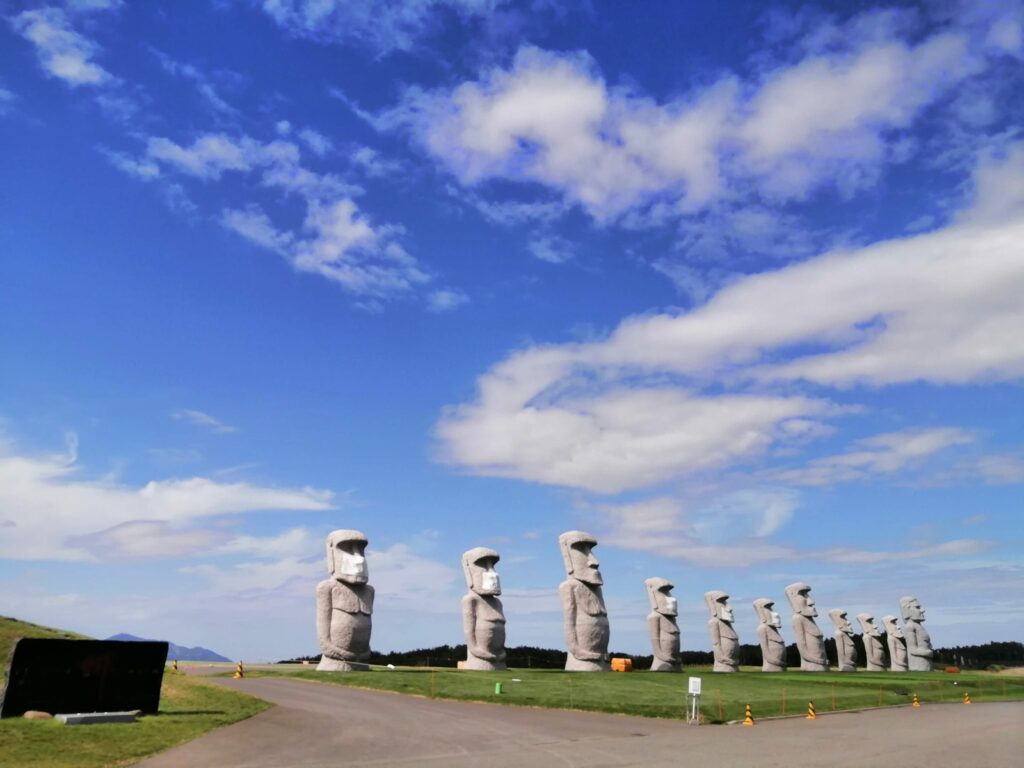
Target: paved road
<point>317,725</point>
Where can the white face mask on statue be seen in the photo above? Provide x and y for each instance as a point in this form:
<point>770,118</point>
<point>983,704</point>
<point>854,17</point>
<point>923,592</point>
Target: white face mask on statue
<point>725,613</point>
<point>490,582</point>
<point>776,620</point>
<point>353,566</point>
<point>671,606</point>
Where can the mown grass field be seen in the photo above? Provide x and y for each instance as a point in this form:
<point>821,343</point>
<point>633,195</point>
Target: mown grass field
<point>188,708</point>
<point>653,694</point>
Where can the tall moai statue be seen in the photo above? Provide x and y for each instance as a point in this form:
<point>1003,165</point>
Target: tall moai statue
<point>808,637</point>
<point>661,623</point>
<point>344,605</point>
<point>773,646</point>
<point>874,650</point>
<point>919,644</point>
<point>483,619</point>
<point>586,618</point>
<point>725,643</point>
<point>846,651</point>
<point>897,645</point>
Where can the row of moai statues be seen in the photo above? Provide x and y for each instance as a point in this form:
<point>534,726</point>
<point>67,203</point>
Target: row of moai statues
<point>910,648</point>
<point>345,607</point>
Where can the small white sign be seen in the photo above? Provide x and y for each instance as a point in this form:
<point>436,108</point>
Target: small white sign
<point>695,686</point>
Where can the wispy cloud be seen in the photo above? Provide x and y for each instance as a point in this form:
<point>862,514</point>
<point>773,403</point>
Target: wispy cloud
<point>63,53</point>
<point>446,300</point>
<point>201,419</point>
<point>57,514</point>
<point>635,409</point>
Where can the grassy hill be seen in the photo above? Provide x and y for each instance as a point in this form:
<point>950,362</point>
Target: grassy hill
<point>188,708</point>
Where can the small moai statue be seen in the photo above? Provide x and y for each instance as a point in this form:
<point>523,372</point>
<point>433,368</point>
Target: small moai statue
<point>874,650</point>
<point>808,637</point>
<point>583,609</point>
<point>661,623</point>
<point>897,645</point>
<point>919,644</point>
<point>344,605</point>
<point>483,619</point>
<point>769,636</point>
<point>846,651</point>
<point>724,641</point>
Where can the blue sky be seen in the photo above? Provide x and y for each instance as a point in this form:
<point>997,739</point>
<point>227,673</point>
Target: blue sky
<point>734,287</point>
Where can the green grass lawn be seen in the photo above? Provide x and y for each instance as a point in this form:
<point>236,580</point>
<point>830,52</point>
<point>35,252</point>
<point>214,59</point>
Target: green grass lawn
<point>188,708</point>
<point>653,694</point>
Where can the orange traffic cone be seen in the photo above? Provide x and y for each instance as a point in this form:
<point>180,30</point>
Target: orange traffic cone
<point>748,719</point>
<point>967,698</point>
<point>811,714</point>
<point>239,672</point>
<point>917,702</point>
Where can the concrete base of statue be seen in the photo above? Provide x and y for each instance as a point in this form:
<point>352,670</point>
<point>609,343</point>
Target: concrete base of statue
<point>337,665</point>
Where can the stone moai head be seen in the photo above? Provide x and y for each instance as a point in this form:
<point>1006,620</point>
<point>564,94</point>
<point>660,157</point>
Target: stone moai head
<point>911,609</point>
<point>799,595</point>
<point>659,592</point>
<point>346,556</point>
<point>839,621</point>
<point>577,552</point>
<point>478,565</point>
<point>765,608</point>
<point>718,605</point>
<point>867,624</point>
<point>892,627</point>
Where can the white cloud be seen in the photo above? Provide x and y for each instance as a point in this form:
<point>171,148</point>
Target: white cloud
<point>141,168</point>
<point>373,164</point>
<point>204,84</point>
<point>50,512</point>
<point>446,300</point>
<point>385,27</point>
<point>833,118</point>
<point>628,411</point>
<point>735,530</point>
<point>877,455</point>
<point>200,419</point>
<point>552,249</point>
<point>63,53</point>
<point>255,226</point>
<point>1001,469</point>
<point>319,144</point>
<point>208,157</point>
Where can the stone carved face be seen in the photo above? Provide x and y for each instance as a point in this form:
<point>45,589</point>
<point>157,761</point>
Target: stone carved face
<point>867,624</point>
<point>911,609</point>
<point>891,626</point>
<point>764,607</point>
<point>478,566</point>
<point>800,599</point>
<point>577,552</point>
<point>659,591</point>
<point>346,556</point>
<point>839,621</point>
<point>718,606</point>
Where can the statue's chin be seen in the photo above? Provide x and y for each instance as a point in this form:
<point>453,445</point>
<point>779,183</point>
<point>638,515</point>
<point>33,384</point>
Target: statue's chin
<point>353,579</point>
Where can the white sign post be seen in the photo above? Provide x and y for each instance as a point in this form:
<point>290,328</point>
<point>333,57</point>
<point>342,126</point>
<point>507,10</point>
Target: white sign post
<point>693,711</point>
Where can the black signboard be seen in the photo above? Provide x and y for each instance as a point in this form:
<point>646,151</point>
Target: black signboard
<point>65,676</point>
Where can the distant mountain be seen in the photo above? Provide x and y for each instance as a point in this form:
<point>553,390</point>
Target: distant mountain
<point>178,652</point>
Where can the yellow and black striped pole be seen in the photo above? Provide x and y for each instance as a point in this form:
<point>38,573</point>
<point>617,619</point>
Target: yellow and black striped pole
<point>811,714</point>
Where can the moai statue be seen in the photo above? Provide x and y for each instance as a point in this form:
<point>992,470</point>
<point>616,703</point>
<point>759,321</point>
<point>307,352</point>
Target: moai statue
<point>344,604</point>
<point>724,641</point>
<point>846,651</point>
<point>897,645</point>
<point>773,647</point>
<point>919,644</point>
<point>483,620</point>
<point>661,623</point>
<point>586,618</point>
<point>808,636</point>
<point>873,648</point>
